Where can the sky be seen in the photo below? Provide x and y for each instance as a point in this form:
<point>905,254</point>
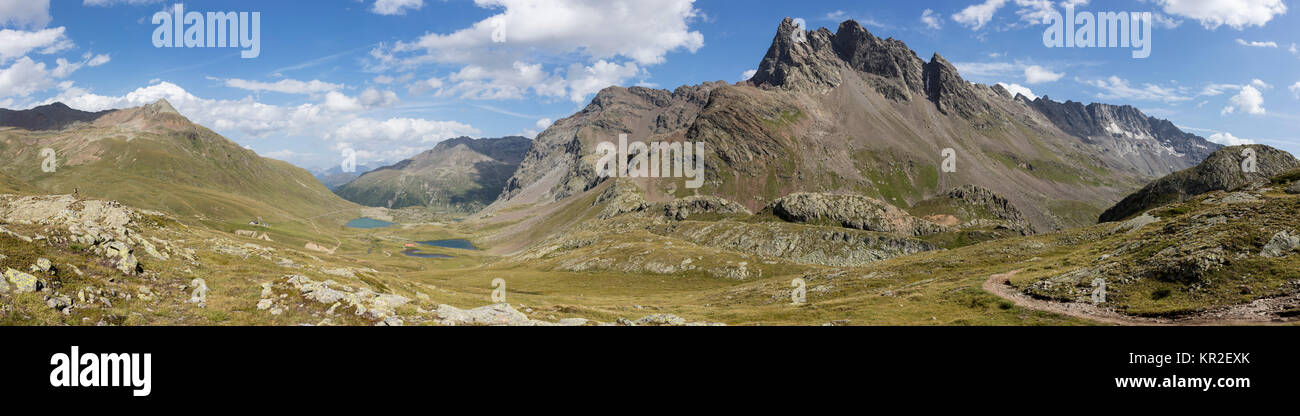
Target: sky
<point>387,79</point>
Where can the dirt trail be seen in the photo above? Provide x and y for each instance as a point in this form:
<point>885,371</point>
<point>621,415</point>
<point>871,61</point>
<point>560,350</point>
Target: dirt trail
<point>1259,312</point>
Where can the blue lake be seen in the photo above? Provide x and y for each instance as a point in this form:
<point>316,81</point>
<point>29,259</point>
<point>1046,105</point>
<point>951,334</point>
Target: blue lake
<point>453,243</point>
<point>410,252</point>
<point>368,223</point>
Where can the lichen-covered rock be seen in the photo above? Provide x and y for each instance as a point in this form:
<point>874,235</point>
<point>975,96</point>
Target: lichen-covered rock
<point>364,301</point>
<point>622,196</point>
<point>684,208</point>
<point>851,211</point>
<point>501,314</point>
<point>23,282</point>
<point>1281,244</point>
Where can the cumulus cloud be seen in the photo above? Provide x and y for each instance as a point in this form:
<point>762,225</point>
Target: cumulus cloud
<point>16,43</point>
<point>1236,14</point>
<point>931,19</point>
<point>745,76</point>
<point>1019,89</point>
<point>500,57</point>
<point>400,130</point>
<point>977,15</point>
<point>1295,89</point>
<point>1035,74</point>
<point>24,77</point>
<point>245,115</point>
<point>396,7</point>
<point>25,13</point>
<point>1227,139</point>
<point>286,86</point>
<point>1249,101</point>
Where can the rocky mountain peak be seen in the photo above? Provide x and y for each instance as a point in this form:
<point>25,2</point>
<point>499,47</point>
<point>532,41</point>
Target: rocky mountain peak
<point>162,107</point>
<point>799,60</point>
<point>948,91</point>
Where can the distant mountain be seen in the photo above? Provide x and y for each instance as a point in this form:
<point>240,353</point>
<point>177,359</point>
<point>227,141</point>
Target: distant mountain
<point>47,117</point>
<point>847,112</point>
<point>1221,171</point>
<point>1149,144</point>
<point>460,174</point>
<point>334,177</point>
<point>153,157</point>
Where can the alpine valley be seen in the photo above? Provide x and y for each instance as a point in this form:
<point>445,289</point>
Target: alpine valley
<point>848,182</point>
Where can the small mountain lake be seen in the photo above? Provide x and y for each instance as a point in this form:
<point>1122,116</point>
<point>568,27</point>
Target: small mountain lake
<point>411,252</point>
<point>456,243</point>
<point>364,222</point>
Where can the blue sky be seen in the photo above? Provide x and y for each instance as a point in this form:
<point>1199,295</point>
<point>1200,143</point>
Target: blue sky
<point>390,78</point>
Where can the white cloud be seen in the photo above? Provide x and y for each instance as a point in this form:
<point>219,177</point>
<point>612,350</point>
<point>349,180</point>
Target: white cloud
<point>1119,89</point>
<point>498,57</point>
<point>1019,89</point>
<point>246,115</point>
<point>23,78</point>
<point>16,43</point>
<point>1035,74</point>
<point>587,80</point>
<point>425,85</point>
<point>98,60</point>
<point>745,76</point>
<point>931,19</point>
<point>977,15</point>
<point>1257,44</point>
<point>375,98</point>
<point>1237,14</point>
<point>400,130</point>
<point>340,102</point>
<point>396,7</point>
<point>65,68</point>
<point>25,13</point>
<point>286,86</point>
<point>1166,22</point>
<point>1295,89</point>
<point>1227,139</point>
<point>544,123</point>
<point>1249,101</point>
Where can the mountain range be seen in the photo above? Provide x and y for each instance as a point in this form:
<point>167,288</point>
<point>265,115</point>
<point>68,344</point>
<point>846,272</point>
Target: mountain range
<point>848,112</point>
<point>895,190</point>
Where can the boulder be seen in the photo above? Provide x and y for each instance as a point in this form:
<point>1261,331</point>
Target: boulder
<point>1280,245</point>
<point>501,314</point>
<point>23,282</point>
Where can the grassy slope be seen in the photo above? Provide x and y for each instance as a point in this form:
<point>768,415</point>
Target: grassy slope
<point>184,172</point>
